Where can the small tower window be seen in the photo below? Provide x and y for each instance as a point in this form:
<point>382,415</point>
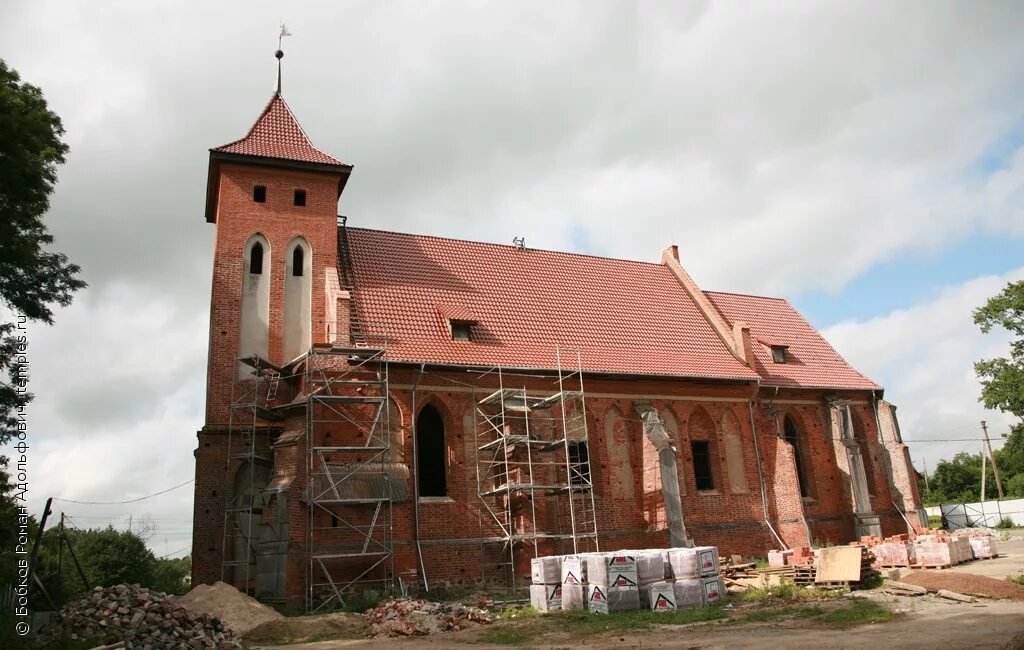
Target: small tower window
<point>300,198</point>
<point>460,330</point>
<point>256,259</point>
<point>779,353</point>
<point>259,194</point>
<point>297,261</point>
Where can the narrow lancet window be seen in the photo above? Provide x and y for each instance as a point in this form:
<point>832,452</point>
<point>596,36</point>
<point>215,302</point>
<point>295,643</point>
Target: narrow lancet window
<point>256,259</point>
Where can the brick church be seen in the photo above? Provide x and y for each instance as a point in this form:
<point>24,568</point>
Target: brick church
<point>408,411</point>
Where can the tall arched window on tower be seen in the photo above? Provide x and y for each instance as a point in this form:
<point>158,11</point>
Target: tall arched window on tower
<point>256,259</point>
<point>297,299</point>
<point>431,461</point>
<point>254,319</point>
<point>792,435</point>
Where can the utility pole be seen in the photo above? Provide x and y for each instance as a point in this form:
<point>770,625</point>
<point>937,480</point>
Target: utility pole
<point>991,456</point>
<point>60,560</point>
<point>983,473</point>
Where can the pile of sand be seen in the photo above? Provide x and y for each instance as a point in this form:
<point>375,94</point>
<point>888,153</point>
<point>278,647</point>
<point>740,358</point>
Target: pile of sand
<point>237,611</point>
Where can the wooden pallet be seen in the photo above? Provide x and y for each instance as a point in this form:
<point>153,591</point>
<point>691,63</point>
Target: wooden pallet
<point>930,566</point>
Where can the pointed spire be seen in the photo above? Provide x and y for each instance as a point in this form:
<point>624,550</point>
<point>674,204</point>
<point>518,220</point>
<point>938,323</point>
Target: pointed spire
<point>277,134</point>
<point>279,54</point>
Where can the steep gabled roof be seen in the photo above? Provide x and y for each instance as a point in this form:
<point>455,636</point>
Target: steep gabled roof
<point>810,360</point>
<point>276,139</point>
<point>277,134</point>
<point>625,317</point>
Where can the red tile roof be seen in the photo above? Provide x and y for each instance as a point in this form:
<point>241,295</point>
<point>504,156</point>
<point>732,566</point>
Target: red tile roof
<point>810,360</point>
<point>277,134</point>
<point>625,317</point>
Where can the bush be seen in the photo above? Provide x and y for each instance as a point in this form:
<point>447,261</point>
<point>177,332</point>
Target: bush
<point>935,521</point>
<point>1005,522</point>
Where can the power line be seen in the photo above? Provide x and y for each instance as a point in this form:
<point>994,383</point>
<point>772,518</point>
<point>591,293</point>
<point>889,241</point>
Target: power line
<point>183,548</point>
<point>121,503</point>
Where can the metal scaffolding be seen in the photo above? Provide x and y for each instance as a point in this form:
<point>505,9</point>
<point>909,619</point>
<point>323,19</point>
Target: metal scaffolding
<point>248,464</point>
<point>533,466</point>
<point>352,479</point>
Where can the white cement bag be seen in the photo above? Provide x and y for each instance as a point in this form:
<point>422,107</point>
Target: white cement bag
<point>650,566</point>
<point>712,589</point>
<point>546,570</point>
<point>572,597</point>
<point>689,593</point>
<point>573,570</point>
<point>708,558</point>
<point>546,598</point>
<point>685,562</point>
<point>605,600</point>
<point>611,569</point>
<point>658,596</point>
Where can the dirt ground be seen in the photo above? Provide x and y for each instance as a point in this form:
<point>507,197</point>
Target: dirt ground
<point>925,622</point>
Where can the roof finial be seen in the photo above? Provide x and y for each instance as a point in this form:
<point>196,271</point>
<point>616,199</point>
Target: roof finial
<point>279,54</point>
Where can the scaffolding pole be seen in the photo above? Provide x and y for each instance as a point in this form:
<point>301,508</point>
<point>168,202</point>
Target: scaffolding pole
<point>350,486</point>
<point>253,388</point>
<point>533,464</point>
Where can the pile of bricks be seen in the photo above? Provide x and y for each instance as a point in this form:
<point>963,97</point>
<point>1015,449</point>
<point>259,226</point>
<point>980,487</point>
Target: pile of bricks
<point>932,548</point>
<point>138,617</point>
<point>654,579</point>
<point>410,617</point>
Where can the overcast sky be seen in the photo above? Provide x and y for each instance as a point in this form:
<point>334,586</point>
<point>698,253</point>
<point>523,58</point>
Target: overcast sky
<point>864,160</point>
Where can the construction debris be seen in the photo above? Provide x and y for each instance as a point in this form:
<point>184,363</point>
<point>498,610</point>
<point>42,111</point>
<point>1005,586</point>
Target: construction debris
<point>138,617</point>
<point>411,617</point>
<point>952,595</point>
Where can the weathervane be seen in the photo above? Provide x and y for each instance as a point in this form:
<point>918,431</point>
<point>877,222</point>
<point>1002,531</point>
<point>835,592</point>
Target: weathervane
<point>280,53</point>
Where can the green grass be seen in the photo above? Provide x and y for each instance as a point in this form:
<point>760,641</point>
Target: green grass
<point>1005,522</point>
<point>763,615</point>
<point>508,635</point>
<point>859,612</point>
<point>582,624</point>
<point>1017,579</point>
<point>787,592</point>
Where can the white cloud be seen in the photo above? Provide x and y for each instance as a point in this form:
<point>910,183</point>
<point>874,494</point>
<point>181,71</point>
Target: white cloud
<point>119,396</point>
<point>923,355</point>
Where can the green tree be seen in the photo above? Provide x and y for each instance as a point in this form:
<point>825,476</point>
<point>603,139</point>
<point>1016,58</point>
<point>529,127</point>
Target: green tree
<point>1002,379</point>
<point>110,556</point>
<point>1015,487</point>
<point>33,279</point>
<point>171,575</point>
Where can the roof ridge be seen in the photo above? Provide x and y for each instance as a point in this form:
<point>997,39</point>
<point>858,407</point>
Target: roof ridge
<point>497,245</point>
<point>746,295</point>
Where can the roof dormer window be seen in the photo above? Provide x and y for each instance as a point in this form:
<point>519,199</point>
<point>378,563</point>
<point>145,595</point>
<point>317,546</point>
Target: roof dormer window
<point>779,353</point>
<point>461,330</point>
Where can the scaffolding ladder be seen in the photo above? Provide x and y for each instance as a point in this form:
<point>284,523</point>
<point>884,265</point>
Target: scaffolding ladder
<point>533,455</point>
<point>350,486</point>
<point>254,387</point>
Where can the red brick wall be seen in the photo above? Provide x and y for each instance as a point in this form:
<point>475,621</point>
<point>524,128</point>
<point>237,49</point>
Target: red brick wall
<point>238,218</point>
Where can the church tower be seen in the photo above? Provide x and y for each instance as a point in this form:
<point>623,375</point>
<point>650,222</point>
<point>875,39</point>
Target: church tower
<point>272,197</point>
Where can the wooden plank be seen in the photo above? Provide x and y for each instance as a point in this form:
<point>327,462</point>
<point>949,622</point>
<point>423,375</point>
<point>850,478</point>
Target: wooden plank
<point>838,564</point>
